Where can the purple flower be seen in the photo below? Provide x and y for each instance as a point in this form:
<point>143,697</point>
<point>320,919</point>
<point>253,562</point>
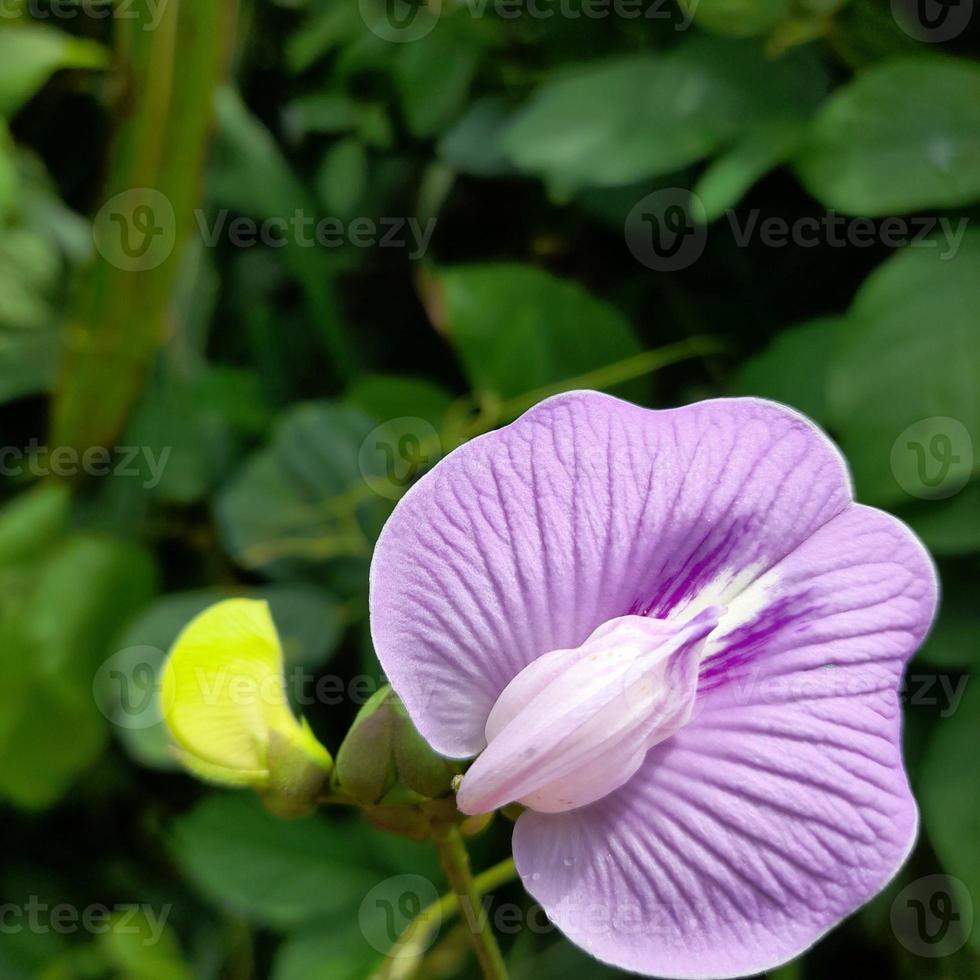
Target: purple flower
<point>675,638</point>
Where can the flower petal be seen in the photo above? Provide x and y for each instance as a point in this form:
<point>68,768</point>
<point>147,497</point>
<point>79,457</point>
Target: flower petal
<point>585,509</point>
<point>222,686</point>
<point>783,805</point>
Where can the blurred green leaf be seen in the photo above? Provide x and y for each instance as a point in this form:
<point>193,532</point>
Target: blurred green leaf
<point>910,351</point>
<point>55,635</point>
<point>793,368</point>
<point>30,522</point>
<point>191,428</point>
<point>276,873</point>
<point>250,175</point>
<point>342,177</point>
<point>137,948</point>
<point>25,953</point>
<point>740,18</point>
<point>517,328</point>
<point>950,526</point>
<point>386,397</point>
<point>31,53</point>
<point>949,791</point>
<point>903,136</point>
<point>303,497</point>
<point>9,178</point>
<point>952,644</point>
<point>727,178</point>
<point>622,120</point>
<point>320,112</point>
<point>557,961</point>
<point>474,145</point>
<point>433,75</point>
<point>329,950</point>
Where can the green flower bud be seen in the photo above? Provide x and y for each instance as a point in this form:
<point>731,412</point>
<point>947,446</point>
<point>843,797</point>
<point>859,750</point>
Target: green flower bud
<point>384,759</point>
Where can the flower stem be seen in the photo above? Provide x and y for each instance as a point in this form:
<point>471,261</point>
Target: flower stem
<point>405,957</point>
<point>455,863</point>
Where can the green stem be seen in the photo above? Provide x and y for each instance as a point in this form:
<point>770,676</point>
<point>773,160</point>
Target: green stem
<point>455,863</point>
<point>609,375</point>
<point>405,956</point>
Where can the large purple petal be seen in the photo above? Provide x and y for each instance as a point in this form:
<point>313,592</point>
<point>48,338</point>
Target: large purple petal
<point>585,509</point>
<point>783,805</point>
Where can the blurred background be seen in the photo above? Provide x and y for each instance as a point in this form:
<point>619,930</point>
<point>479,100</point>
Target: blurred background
<point>262,263</point>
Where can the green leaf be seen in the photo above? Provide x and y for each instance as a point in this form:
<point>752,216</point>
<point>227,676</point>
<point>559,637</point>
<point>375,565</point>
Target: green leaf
<point>903,136</point>
<point>141,949</point>
<point>9,176</point>
<point>952,644</point>
<point>433,75</point>
<point>793,368</point>
<point>30,54</point>
<point>191,427</point>
<point>387,396</point>
<point>250,175</point>
<point>30,521</point>
<point>949,790</point>
<point>275,873</point>
<point>321,112</point>
<point>740,18</point>
<point>54,636</point>
<point>517,328</point>
<point>329,950</point>
<point>342,177</point>
<point>304,497</point>
<point>726,180</point>
<point>625,119</point>
<point>474,144</point>
<point>29,269</point>
<point>910,352</point>
<point>950,526</point>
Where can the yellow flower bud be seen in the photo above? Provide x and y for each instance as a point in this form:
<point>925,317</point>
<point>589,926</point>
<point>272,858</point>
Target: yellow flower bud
<point>226,707</point>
